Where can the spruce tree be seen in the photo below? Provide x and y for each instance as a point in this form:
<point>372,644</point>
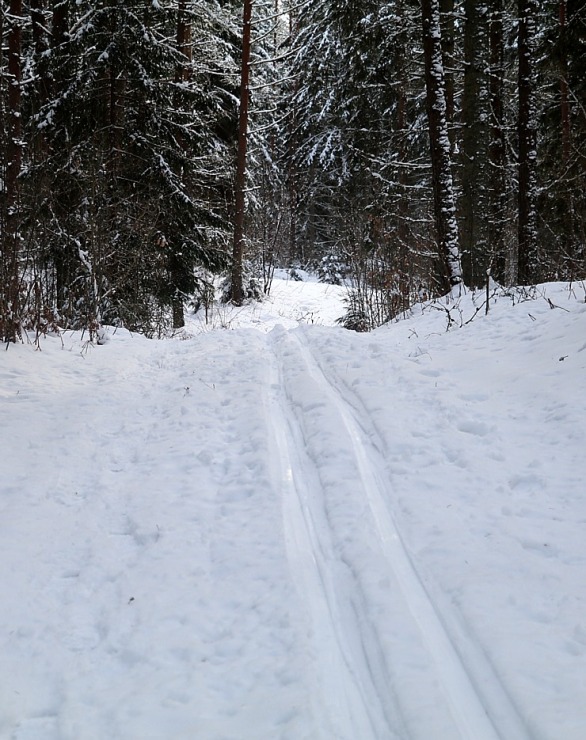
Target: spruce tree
<point>136,160</point>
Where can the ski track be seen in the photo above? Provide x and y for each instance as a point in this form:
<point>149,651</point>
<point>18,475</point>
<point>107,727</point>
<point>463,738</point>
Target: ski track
<point>449,622</point>
<point>333,594</point>
<point>478,705</point>
<point>310,558</point>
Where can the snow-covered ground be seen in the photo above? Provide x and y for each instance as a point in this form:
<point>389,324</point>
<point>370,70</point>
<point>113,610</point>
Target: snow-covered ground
<point>280,529</point>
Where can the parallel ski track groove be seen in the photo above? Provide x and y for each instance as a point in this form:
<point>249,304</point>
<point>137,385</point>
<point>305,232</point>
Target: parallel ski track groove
<point>468,707</point>
<point>312,555</point>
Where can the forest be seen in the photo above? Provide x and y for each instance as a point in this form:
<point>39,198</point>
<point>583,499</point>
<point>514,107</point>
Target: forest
<point>150,149</point>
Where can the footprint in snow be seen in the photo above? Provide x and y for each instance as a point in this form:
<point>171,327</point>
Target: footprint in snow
<point>430,373</point>
<point>541,548</point>
<point>526,483</point>
<point>476,428</point>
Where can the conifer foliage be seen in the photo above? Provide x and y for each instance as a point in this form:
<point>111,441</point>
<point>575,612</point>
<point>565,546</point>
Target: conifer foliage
<point>405,146</point>
<point>436,141</point>
<point>126,171</point>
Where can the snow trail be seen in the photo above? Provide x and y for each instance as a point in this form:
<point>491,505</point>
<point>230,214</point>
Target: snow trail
<point>469,678</point>
<point>341,692</point>
<point>298,535</point>
<point>468,708</point>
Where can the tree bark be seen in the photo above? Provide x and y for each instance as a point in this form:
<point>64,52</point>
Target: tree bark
<point>474,164</point>
<point>447,17</point>
<point>183,42</point>
<point>564,87</point>
<point>37,12</point>
<point>61,253</point>
<point>60,22</point>
<point>443,190</point>
<point>182,75</point>
<point>497,150</point>
<point>526,127</point>
<point>11,319</point>
<point>237,291</point>
<point>116,103</point>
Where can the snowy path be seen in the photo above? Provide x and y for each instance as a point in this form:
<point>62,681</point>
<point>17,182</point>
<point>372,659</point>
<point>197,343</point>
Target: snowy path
<point>466,713</point>
<point>297,534</point>
<point>148,598</point>
<point>342,701</point>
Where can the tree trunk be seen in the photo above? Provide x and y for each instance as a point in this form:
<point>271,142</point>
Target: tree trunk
<point>447,17</point>
<point>295,249</point>
<point>116,104</point>
<point>176,269</point>
<point>564,88</point>
<point>60,22</point>
<point>237,291</point>
<point>497,150</point>
<point>62,254</point>
<point>38,25</point>
<point>443,190</point>
<point>10,320</point>
<point>526,127</point>
<point>405,268</point>
<point>473,205</point>
<point>183,42</point>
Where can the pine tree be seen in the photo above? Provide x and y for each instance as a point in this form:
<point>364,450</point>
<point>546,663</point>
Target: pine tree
<point>135,152</point>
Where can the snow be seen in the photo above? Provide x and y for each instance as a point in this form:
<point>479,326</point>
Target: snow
<point>269,527</point>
